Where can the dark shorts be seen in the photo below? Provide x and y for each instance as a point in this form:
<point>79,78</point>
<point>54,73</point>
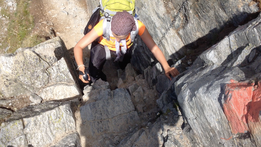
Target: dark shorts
<point>98,59</point>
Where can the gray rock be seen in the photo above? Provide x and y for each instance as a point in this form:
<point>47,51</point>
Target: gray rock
<point>202,90</point>
<point>186,21</point>
<point>151,74</point>
<point>38,125</point>
<point>185,25</point>
<point>110,116</point>
<point>98,91</point>
<point>180,25</point>
<point>138,95</point>
<point>142,57</point>
<point>133,88</point>
<point>35,99</point>
<point>99,84</point>
<point>130,72</point>
<point>72,140</point>
<point>44,70</point>
<point>128,141</point>
<point>166,131</point>
<point>4,113</point>
<point>12,134</point>
<point>120,99</point>
<point>162,83</point>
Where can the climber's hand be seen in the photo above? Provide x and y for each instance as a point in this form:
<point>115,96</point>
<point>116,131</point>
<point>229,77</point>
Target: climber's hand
<point>83,76</point>
<point>171,71</point>
<point>83,80</point>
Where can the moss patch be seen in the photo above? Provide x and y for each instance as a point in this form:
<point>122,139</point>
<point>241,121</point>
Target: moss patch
<point>19,27</point>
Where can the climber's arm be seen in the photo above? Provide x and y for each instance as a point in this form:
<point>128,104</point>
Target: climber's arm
<point>147,39</point>
<point>78,49</point>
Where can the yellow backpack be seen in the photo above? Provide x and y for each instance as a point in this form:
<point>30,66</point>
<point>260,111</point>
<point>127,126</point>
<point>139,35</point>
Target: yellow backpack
<point>113,6</point>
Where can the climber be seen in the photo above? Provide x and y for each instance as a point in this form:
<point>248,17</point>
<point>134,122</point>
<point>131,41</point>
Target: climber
<point>118,45</point>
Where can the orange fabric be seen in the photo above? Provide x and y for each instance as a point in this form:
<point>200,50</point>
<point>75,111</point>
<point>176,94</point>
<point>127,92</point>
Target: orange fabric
<point>141,27</point>
<point>111,44</point>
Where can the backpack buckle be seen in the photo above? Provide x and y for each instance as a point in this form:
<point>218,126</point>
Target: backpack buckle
<point>106,15</point>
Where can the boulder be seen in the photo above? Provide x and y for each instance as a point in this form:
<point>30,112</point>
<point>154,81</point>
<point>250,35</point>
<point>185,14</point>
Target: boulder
<point>72,140</point>
<point>165,130</point>
<point>41,73</point>
<point>177,25</point>
<point>46,124</point>
<point>219,94</point>
<point>4,113</point>
<point>110,117</point>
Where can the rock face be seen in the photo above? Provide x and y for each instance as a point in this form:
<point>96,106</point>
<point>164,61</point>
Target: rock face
<point>220,92</point>
<point>108,116</point>
<point>214,102</point>
<point>37,76</point>
<point>129,116</point>
<point>41,73</point>
<point>186,26</point>
<point>117,118</point>
<point>40,125</point>
<point>181,25</point>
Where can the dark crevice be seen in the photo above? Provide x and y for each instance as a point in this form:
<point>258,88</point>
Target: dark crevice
<point>182,8</point>
<point>9,109</point>
<point>191,51</point>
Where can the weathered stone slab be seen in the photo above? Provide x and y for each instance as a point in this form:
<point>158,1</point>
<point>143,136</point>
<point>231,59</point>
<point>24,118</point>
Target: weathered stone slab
<point>38,125</point>
<point>128,141</point>
<point>118,103</point>
<point>37,71</point>
<point>4,113</point>
<point>166,131</point>
<point>59,92</point>
<point>11,133</point>
<point>72,140</point>
<point>202,92</point>
<point>111,115</point>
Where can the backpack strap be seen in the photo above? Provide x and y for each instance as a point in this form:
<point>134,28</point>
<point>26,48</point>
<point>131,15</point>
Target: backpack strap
<point>134,33</point>
<point>107,52</point>
<point>107,28</point>
<point>112,13</point>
